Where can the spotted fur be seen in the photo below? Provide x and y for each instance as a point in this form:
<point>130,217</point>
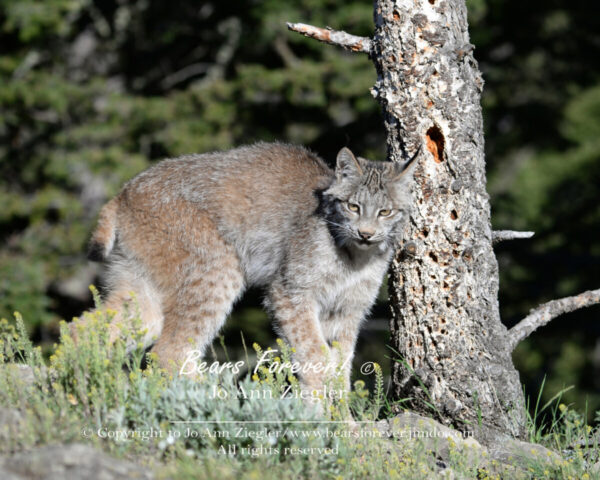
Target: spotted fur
<point>189,235</point>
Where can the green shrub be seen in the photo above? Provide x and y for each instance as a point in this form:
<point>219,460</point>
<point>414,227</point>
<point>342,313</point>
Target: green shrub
<point>223,424</point>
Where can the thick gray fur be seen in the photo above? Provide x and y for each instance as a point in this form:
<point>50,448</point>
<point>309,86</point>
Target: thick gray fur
<point>193,232</point>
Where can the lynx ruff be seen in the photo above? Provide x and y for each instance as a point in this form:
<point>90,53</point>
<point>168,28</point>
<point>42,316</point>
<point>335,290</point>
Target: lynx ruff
<point>187,236</point>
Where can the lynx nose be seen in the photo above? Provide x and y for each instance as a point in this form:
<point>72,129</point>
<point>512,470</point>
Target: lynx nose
<point>366,234</point>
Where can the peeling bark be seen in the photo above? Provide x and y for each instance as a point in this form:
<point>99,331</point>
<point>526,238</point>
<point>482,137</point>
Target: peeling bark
<point>444,295</point>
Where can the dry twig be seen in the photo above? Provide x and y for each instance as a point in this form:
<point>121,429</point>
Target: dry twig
<point>502,235</point>
<point>333,37</point>
<point>541,315</point>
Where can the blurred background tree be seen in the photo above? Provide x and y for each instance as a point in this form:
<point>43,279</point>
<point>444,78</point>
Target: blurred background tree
<point>94,91</point>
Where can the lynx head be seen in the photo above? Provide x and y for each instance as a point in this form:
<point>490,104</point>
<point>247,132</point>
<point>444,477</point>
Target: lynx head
<point>367,203</point>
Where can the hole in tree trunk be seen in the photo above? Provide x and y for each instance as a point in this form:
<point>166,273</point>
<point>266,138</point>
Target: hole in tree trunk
<point>435,143</point>
<point>453,214</point>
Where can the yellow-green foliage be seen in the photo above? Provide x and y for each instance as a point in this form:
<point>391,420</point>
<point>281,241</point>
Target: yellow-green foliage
<point>90,388</point>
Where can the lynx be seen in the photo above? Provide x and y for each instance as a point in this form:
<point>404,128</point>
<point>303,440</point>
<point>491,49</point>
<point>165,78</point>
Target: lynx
<point>190,234</point>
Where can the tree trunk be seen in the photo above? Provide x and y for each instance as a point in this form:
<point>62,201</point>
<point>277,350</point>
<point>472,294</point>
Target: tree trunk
<point>452,354</point>
<point>452,357</point>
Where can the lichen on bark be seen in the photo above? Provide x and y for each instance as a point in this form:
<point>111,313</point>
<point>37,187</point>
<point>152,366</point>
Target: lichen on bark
<point>453,360</point>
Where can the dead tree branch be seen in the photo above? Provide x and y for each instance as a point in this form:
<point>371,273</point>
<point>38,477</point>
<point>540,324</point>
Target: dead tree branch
<point>333,37</point>
<point>502,235</point>
<point>541,315</point>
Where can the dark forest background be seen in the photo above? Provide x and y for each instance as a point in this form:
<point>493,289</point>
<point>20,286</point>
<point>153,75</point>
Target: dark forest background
<point>93,91</point>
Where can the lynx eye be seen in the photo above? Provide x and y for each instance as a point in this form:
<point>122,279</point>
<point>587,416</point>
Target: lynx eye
<point>385,212</point>
<point>353,207</point>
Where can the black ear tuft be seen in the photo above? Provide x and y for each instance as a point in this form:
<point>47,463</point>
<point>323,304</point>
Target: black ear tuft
<point>347,164</point>
<point>406,170</point>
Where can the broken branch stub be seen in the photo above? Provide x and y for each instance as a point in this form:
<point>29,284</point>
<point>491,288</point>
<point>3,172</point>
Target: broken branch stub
<point>333,37</point>
<point>540,316</point>
<point>503,235</point>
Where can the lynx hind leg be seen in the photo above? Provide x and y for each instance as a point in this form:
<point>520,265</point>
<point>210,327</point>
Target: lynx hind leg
<point>131,295</point>
<point>211,283</point>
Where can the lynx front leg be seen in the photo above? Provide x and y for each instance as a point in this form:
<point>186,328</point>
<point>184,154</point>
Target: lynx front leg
<point>299,324</point>
<point>342,330</point>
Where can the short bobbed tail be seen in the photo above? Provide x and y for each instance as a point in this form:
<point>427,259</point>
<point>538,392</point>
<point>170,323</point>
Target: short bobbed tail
<point>104,236</point>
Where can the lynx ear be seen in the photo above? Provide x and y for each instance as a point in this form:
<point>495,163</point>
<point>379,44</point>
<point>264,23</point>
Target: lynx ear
<point>347,164</point>
<point>407,169</point>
